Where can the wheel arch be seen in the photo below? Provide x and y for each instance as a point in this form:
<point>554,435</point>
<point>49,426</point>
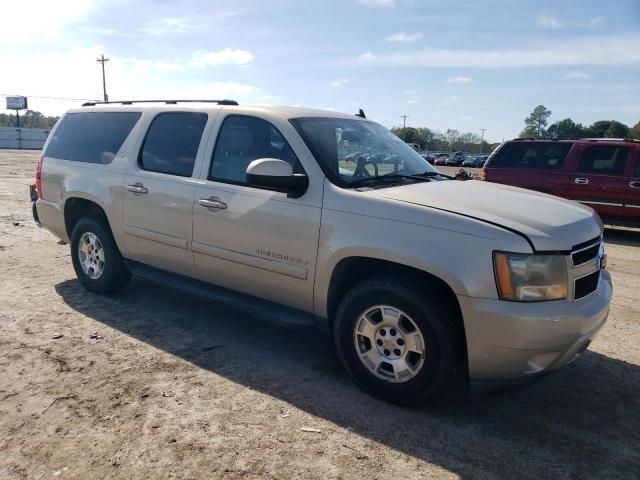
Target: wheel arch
<point>351,270</point>
<point>77,207</point>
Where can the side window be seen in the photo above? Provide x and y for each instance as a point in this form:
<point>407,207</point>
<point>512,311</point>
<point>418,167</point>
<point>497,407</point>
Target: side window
<point>171,144</point>
<point>92,137</point>
<point>241,141</point>
<point>542,155</point>
<point>603,159</point>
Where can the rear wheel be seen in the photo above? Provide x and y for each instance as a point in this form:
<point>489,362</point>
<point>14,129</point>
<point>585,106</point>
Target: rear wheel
<point>399,343</point>
<point>96,258</point>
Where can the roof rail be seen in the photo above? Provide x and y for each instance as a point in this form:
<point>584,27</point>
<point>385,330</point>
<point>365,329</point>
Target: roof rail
<point>168,102</point>
<point>631,140</point>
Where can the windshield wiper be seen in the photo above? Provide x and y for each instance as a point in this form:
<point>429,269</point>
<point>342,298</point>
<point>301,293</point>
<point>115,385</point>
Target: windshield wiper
<point>389,177</point>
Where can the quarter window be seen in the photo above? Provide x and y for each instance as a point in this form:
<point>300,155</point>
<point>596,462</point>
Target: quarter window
<point>244,139</point>
<point>92,137</point>
<point>172,142</point>
<point>604,159</point>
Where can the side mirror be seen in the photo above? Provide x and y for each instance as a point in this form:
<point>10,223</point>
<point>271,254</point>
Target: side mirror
<point>277,175</point>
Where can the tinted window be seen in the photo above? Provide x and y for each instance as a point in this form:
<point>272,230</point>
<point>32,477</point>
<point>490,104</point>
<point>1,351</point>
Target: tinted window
<point>243,140</point>
<point>603,159</point>
<point>532,155</point>
<point>171,144</point>
<point>93,137</point>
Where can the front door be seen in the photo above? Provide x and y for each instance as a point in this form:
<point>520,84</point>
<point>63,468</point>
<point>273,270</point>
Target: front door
<point>159,190</point>
<point>251,239</point>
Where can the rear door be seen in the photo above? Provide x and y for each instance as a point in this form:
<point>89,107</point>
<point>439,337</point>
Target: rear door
<point>632,200</point>
<point>159,190</point>
<point>600,180</point>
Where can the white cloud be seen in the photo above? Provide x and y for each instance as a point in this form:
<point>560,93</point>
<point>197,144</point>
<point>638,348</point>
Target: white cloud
<point>459,79</point>
<point>228,56</point>
<point>403,37</point>
<point>594,22</point>
<point>377,3</point>
<point>544,21</point>
<point>341,82</point>
<point>577,76</point>
<point>410,92</point>
<point>28,22</point>
<point>168,25</point>
<point>127,78</point>
<point>367,57</point>
<point>412,101</point>
<point>468,118</point>
<point>607,50</point>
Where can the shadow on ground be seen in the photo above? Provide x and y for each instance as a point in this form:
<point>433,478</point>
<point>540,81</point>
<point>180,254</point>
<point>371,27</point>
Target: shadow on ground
<point>581,421</point>
<point>622,236</point>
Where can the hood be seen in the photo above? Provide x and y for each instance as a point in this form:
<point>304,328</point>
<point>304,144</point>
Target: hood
<point>550,223</point>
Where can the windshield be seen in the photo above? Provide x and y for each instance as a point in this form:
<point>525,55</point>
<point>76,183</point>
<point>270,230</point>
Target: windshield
<point>352,150</point>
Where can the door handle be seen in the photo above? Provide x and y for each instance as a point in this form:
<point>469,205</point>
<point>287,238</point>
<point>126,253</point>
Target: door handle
<point>212,202</point>
<point>582,181</point>
<point>634,184</point>
<point>137,188</point>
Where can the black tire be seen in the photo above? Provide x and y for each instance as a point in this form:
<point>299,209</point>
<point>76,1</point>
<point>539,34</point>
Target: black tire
<point>444,359</point>
<point>115,274</point>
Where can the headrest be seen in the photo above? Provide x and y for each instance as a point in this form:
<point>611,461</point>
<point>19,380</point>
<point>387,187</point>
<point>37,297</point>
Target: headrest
<point>238,139</point>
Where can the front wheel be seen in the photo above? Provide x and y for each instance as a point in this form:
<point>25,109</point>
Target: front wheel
<point>96,258</point>
<point>398,341</point>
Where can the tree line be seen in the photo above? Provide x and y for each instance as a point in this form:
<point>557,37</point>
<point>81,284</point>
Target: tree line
<point>566,129</point>
<point>28,119</point>
<point>451,140</point>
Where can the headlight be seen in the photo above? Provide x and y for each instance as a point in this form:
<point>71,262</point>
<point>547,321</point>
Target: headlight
<point>530,278</point>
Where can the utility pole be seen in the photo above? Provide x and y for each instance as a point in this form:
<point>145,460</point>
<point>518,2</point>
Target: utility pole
<point>102,60</point>
<point>404,120</point>
<point>482,140</point>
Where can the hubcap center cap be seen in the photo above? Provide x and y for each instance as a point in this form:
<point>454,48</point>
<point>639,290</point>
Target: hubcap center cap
<point>390,342</point>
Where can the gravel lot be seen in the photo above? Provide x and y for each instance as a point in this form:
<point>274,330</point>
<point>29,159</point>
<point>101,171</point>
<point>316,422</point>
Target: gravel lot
<point>152,383</point>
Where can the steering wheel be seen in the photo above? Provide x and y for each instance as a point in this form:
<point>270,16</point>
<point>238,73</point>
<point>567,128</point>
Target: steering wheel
<point>361,171</point>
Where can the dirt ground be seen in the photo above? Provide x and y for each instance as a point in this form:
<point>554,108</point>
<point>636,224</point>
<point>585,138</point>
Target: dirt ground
<point>152,383</point>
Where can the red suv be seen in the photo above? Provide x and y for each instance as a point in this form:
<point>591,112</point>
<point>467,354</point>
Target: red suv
<point>601,173</point>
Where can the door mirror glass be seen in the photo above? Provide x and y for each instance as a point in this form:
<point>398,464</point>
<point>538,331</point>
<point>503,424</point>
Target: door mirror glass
<point>278,175</point>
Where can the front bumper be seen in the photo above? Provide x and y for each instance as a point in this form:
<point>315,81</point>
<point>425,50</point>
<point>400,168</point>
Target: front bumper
<point>510,340</point>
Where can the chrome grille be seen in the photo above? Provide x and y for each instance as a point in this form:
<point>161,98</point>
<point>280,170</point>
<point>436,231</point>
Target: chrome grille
<point>585,252</point>
<point>586,267</point>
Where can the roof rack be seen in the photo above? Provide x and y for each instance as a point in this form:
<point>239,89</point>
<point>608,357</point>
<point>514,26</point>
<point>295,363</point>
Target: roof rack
<point>632,140</point>
<point>168,102</point>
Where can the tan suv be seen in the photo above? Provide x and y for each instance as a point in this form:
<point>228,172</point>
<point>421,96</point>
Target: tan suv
<point>309,217</point>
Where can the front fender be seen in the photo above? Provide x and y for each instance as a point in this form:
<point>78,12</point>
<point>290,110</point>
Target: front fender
<point>463,261</point>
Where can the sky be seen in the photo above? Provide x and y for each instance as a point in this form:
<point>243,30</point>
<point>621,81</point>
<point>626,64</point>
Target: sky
<point>465,65</point>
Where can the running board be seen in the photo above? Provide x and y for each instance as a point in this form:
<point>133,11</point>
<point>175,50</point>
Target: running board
<point>273,312</point>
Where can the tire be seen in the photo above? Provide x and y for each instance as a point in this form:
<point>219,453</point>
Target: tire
<point>101,268</point>
<point>438,323</point>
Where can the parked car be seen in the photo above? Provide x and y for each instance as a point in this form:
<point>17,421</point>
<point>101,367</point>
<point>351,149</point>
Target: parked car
<point>475,161</point>
<point>601,173</point>
<point>255,207</point>
<point>441,160</point>
<point>429,158</point>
